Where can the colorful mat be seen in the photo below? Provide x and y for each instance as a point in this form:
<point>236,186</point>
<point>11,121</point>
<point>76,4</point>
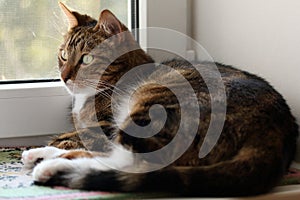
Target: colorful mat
<point>17,184</point>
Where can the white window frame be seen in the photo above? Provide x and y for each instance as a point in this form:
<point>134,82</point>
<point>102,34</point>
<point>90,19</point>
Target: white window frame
<point>42,109</point>
<point>34,109</point>
<point>170,14</point>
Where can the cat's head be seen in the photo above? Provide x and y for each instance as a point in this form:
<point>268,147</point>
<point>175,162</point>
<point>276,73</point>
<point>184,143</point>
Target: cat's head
<point>96,53</point>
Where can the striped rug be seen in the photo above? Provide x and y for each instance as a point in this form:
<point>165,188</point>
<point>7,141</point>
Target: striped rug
<point>17,184</point>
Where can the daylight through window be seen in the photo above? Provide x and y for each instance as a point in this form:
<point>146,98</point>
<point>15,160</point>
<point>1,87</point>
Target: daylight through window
<point>32,30</point>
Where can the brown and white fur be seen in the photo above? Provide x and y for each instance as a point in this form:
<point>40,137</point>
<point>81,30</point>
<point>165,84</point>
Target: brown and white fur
<point>256,147</point>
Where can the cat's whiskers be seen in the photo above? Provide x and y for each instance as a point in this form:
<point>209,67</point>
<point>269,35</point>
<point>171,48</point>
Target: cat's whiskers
<point>115,89</point>
<point>108,95</point>
<point>52,37</point>
<point>94,86</point>
<point>56,26</point>
<point>107,86</point>
<point>103,91</point>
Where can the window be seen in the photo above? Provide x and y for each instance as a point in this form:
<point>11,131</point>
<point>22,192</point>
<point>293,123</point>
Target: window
<point>42,108</point>
<point>31,31</point>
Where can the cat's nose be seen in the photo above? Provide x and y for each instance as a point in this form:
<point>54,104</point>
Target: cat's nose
<point>66,73</point>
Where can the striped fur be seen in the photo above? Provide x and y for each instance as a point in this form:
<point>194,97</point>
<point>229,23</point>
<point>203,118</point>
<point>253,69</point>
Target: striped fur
<point>256,147</point>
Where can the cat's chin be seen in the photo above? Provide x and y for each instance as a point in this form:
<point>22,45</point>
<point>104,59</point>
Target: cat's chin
<point>76,89</point>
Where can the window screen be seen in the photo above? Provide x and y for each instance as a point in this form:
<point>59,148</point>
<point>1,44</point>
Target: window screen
<point>32,30</point>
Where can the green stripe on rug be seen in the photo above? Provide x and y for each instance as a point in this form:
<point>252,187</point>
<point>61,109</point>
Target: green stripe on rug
<point>39,192</point>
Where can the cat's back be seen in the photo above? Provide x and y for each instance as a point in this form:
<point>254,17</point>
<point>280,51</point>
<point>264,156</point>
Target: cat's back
<point>245,93</point>
<point>241,88</point>
<point>254,109</point>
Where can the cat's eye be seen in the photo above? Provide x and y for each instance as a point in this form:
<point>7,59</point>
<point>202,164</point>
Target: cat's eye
<point>64,55</point>
<point>87,59</point>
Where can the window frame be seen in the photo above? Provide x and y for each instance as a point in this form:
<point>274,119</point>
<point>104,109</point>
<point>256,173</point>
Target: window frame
<point>34,109</point>
<point>52,98</point>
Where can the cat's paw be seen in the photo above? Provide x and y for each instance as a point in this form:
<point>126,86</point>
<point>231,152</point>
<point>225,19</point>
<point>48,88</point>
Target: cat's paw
<point>32,157</point>
<point>65,172</point>
<point>46,170</point>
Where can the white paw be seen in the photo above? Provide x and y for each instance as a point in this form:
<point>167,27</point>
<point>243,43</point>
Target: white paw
<point>47,169</point>
<point>32,157</point>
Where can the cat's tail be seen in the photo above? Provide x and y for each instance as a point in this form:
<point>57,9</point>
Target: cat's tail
<point>244,175</point>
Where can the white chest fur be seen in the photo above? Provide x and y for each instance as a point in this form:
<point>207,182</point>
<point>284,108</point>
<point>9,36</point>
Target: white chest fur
<point>79,101</point>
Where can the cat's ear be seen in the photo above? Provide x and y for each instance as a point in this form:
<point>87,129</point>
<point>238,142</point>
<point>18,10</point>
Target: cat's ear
<point>75,19</point>
<point>72,20</point>
<point>110,23</point>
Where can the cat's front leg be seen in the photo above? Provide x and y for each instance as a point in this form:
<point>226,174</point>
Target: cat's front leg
<point>77,172</point>
<point>65,172</point>
<point>87,138</point>
<point>32,157</point>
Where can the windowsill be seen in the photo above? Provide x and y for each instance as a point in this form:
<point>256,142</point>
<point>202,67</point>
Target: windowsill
<point>34,109</point>
<point>32,90</point>
<point>34,141</point>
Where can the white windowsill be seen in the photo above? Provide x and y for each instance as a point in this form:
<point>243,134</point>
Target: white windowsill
<point>34,109</point>
<point>32,89</point>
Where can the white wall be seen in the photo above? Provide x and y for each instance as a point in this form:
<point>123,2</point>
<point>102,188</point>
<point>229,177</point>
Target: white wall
<point>260,36</point>
<point>167,14</point>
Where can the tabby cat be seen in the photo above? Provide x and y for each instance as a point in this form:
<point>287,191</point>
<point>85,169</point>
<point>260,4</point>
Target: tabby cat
<point>254,150</point>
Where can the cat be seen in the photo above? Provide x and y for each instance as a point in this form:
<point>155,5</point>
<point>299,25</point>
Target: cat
<point>254,150</point>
